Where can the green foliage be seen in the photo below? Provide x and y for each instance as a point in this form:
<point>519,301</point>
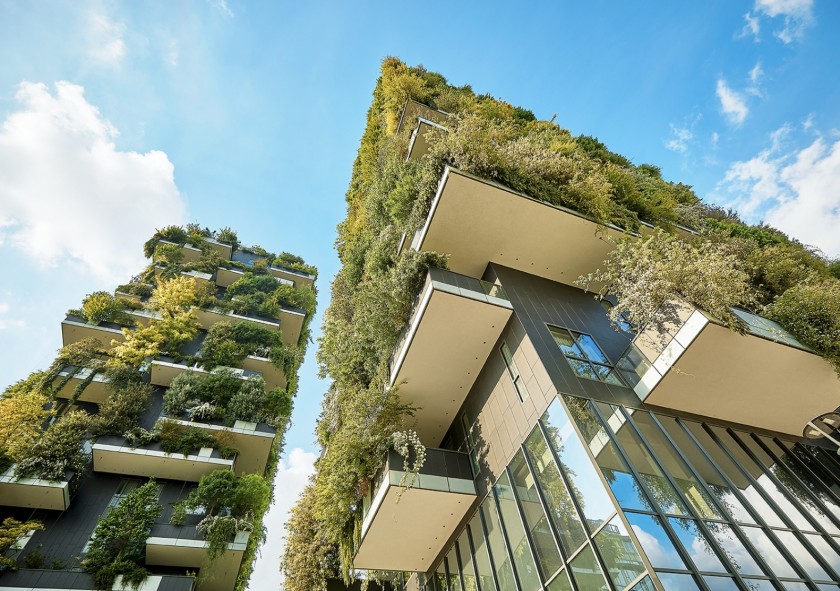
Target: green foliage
<point>811,312</point>
<point>177,438</point>
<point>263,295</point>
<point>229,395</point>
<point>834,269</point>
<point>118,546</point>
<point>168,254</point>
<point>229,343</point>
<point>85,354</point>
<point>22,414</point>
<point>308,558</point>
<point>122,410</point>
<point>228,236</point>
<point>174,234</point>
<point>11,530</point>
<point>59,449</point>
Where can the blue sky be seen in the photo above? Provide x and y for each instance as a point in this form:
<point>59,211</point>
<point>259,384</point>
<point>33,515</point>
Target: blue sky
<point>119,117</point>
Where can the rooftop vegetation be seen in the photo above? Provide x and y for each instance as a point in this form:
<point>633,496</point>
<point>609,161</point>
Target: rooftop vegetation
<point>753,266</point>
<point>44,436</point>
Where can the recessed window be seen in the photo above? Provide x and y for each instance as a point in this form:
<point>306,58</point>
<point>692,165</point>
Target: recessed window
<point>585,356</point>
<point>515,376</point>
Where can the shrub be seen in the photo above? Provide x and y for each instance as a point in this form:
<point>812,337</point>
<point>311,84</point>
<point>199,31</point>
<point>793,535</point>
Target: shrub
<point>22,414</point>
<point>176,438</point>
<point>59,449</point>
<point>121,411</point>
<point>229,343</point>
<point>228,236</point>
<point>11,530</point>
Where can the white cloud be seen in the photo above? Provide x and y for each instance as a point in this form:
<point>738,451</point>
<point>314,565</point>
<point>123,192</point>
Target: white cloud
<point>732,103</point>
<point>293,474</point>
<point>756,73</point>
<point>105,40</point>
<point>714,139</point>
<point>73,196</point>
<point>7,322</point>
<point>798,15</point>
<point>680,136</point>
<point>222,6</point>
<point>793,190</point>
<point>751,26</point>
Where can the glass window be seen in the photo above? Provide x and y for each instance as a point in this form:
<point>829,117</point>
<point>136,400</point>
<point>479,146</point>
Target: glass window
<point>803,556</point>
<point>513,371</point>
<point>678,582</point>
<point>720,583</point>
<point>764,546</point>
<point>496,542</point>
<point>760,585</point>
<point>482,558</point>
<point>586,571</point>
<point>453,570</point>
<point>585,356</point>
<point>560,582</point>
<point>548,556</point>
<point>588,488</point>
<point>696,545</point>
<point>523,560</point>
<point>467,566</point>
<point>655,542</point>
<point>561,510</point>
<point>619,554</point>
<point>823,548</point>
<point>439,578</point>
<point>734,549</point>
<point>644,585</point>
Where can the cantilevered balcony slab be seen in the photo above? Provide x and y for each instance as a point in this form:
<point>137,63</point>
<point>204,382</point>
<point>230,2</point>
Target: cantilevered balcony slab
<point>476,221</point>
<point>191,254</point>
<point>764,379</point>
<point>75,329</point>
<point>162,372</point>
<point>115,456</point>
<point>183,547</point>
<point>274,376</point>
<point>418,145</point>
<point>252,442</point>
<point>97,391</point>
<point>223,249</point>
<point>291,276</point>
<point>34,493</point>
<point>208,317</point>
<point>24,579</point>
<point>454,327</point>
<point>404,529</point>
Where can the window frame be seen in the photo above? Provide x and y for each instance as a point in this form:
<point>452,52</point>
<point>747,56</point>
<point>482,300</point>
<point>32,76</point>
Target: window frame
<point>584,357</point>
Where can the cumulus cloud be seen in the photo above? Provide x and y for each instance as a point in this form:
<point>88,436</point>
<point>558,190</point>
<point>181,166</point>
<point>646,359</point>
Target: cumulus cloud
<point>793,190</point>
<point>68,195</point>
<point>732,103</point>
<point>105,38</point>
<point>797,16</point>
<point>678,142</point>
<point>293,474</point>
<point>751,26</point>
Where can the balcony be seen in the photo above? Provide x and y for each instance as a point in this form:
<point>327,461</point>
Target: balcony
<point>75,329</point>
<point>191,254</point>
<point>404,529</point>
<point>162,372</point>
<point>418,145</point>
<point>291,276</point>
<point>115,456</point>
<point>222,249</point>
<point>97,391</point>
<point>25,579</point>
<point>274,376</point>
<point>144,317</point>
<point>200,277</point>
<point>184,548</point>
<point>764,379</point>
<point>34,493</point>
<point>476,221</point>
<point>453,329</point>
<point>207,317</point>
<point>252,442</point>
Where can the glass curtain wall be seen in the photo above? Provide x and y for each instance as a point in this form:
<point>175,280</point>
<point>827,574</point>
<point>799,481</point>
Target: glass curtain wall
<point>712,509</point>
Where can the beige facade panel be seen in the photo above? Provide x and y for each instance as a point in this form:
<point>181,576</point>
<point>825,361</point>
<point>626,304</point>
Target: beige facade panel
<point>73,331</point>
<point>33,493</point>
<point>156,464</point>
<point>97,391</point>
<point>192,554</point>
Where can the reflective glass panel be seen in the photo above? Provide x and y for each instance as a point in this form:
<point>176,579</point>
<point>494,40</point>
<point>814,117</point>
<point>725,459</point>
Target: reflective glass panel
<point>467,566</point>
<point>565,341</point>
<point>439,578</point>
<point>453,570</point>
<point>582,368</point>
<point>759,585</point>
<point>769,552</point>
<point>482,559</point>
<point>678,582</point>
<point>737,476</point>
<point>615,471</point>
<point>523,560</point>
<point>823,548</point>
<point>655,542</point>
<point>716,484</point>
<point>548,556</point>
<point>802,555</point>
<point>619,554</point>
<point>644,585</point>
<point>560,582</point>
<point>588,488</point>
<point>586,571</point>
<point>496,542</point>
<point>590,349</point>
<point>720,583</point>
<point>607,374</point>
<point>693,491</point>
<point>735,551</point>
<point>794,586</point>
<point>560,507</point>
<point>696,545</point>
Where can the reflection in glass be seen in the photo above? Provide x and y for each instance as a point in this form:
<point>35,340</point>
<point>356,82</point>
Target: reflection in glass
<point>796,586</point>
<point>768,551</point>
<point>619,554</point>
<point>439,578</point>
<point>655,542</point>
<point>802,555</point>
<point>738,555</point>
<point>739,479</point>
<point>560,507</point>
<point>482,559</point>
<point>523,560</point>
<point>615,471</point>
<point>715,482</point>
<point>828,553</point>
<point>696,545</point>
<point>720,583</point>
<point>644,585</point>
<point>591,350</point>
<point>591,496</point>
<point>560,582</point>
<point>452,568</point>
<point>504,572</point>
<point>586,572</point>
<point>678,582</point>
<point>467,566</point>
<point>759,585</point>
<point>548,556</point>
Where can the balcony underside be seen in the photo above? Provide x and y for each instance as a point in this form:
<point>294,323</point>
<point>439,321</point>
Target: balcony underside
<point>118,458</point>
<point>274,376</point>
<point>476,221</point>
<point>712,371</point>
<point>97,391</point>
<point>73,331</point>
<point>192,554</point>
<point>447,345</point>
<point>207,318</point>
<point>418,146</point>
